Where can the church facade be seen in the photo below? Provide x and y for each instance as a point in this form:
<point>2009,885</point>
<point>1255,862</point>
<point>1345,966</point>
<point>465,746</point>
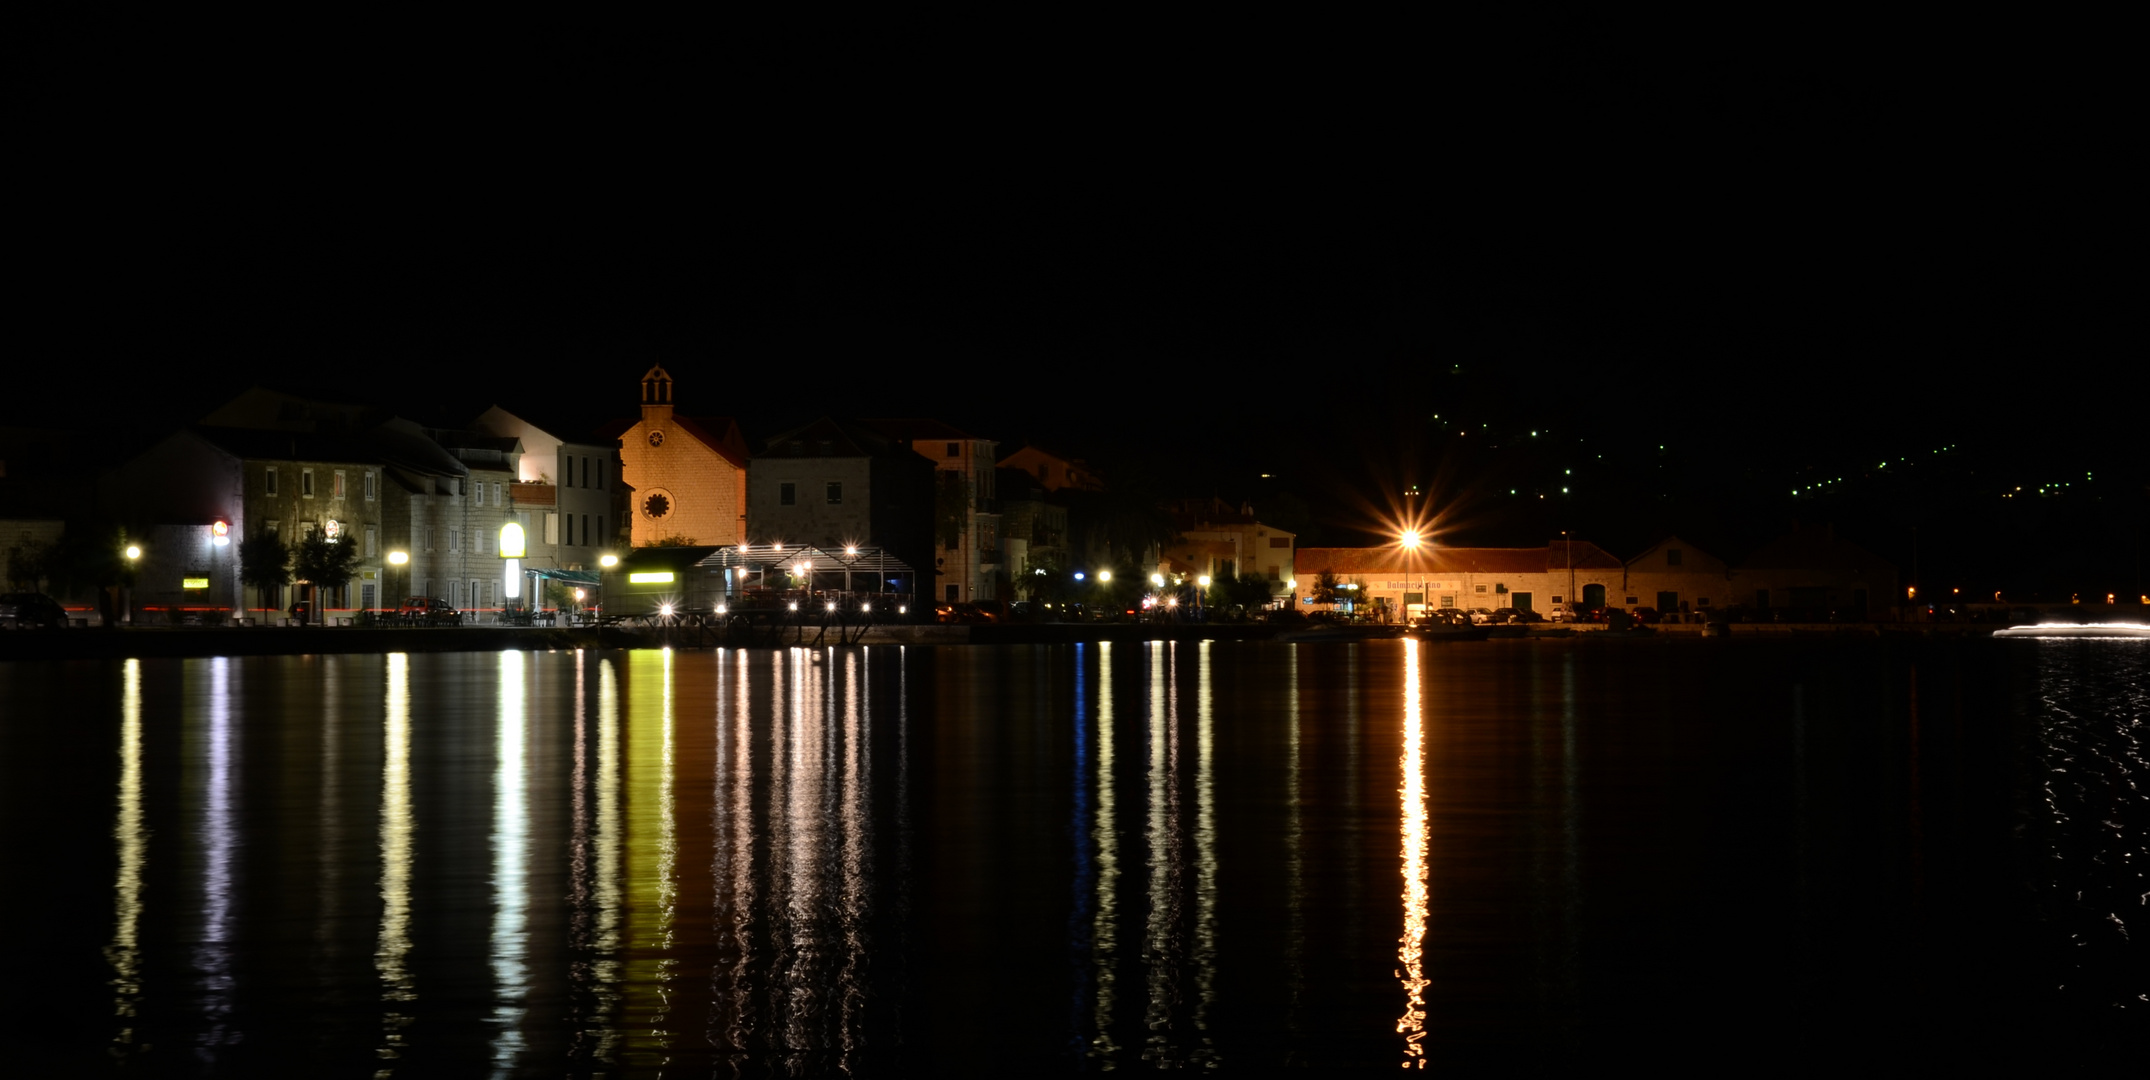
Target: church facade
<point>688,474</point>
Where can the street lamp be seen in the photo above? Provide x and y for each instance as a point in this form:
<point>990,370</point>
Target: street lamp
<point>1411,541</point>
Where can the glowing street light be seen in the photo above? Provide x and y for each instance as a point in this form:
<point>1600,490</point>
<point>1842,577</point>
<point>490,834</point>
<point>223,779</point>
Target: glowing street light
<point>1104,575</point>
<point>608,560</point>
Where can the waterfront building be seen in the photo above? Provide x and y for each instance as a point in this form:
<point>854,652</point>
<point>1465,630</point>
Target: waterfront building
<point>1215,538</point>
<point>967,564</point>
<point>1441,577</point>
<point>571,490</point>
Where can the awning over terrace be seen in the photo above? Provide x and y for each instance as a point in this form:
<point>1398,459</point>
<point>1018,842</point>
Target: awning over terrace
<point>569,577</point>
<point>859,565</point>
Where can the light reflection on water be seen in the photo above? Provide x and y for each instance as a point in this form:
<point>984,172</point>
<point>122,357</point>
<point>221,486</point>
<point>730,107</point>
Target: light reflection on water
<point>651,862</point>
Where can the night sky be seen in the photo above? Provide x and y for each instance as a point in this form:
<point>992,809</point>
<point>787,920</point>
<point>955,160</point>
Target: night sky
<point>1324,258</point>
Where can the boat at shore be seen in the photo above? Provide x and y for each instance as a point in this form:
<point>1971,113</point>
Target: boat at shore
<point>2077,630</point>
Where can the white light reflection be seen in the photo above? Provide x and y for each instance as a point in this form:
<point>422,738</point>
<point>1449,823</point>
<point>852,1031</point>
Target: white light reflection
<point>605,964</point>
<point>1205,848</point>
<point>219,839</point>
<point>1294,852</point>
<point>1161,946</point>
<point>733,805</point>
<point>853,907</point>
<point>511,868</point>
<point>1411,953</point>
<point>394,944</point>
<point>124,954</point>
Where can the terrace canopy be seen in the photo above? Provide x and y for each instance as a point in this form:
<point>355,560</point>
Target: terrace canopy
<point>873,564</point>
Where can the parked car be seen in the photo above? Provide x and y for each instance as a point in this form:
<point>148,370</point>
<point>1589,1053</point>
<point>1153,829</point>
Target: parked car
<point>25,610</point>
<point>1644,615</point>
<point>1506,615</point>
<point>1561,613</point>
<point>429,611</point>
<point>1480,616</point>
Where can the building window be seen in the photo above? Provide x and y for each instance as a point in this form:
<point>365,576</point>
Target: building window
<point>836,492</point>
<point>1633,600</point>
<point>1479,589</point>
<point>269,481</point>
<point>585,527</point>
<point>787,494</point>
<point>336,488</point>
<point>1672,556</point>
<point>1448,601</point>
<point>369,485</point>
<point>1556,599</point>
<point>461,486</point>
<point>369,541</point>
<point>955,449</point>
<point>585,472</point>
<point>455,539</point>
<point>600,477</point>
<point>306,483</point>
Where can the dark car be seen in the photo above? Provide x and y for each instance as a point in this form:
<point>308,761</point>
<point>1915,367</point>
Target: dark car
<point>428,611</point>
<point>1645,615</point>
<point>23,610</point>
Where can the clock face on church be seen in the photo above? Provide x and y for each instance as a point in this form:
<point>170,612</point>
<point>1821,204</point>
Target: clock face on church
<point>656,438</point>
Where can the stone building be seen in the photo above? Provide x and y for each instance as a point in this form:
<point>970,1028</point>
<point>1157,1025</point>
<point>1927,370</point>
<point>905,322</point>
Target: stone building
<point>833,484</point>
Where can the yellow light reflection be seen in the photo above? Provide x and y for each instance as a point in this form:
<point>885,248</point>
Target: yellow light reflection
<point>1411,953</point>
<point>1161,945</point>
<point>394,945</point>
<point>1104,928</point>
<point>652,859</point>
<point>1205,848</point>
<point>124,954</point>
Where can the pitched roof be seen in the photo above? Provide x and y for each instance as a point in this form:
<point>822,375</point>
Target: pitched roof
<point>729,445</point>
<point>916,428</point>
<point>826,437</point>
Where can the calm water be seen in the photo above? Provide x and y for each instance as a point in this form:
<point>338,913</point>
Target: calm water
<point>1486,857</point>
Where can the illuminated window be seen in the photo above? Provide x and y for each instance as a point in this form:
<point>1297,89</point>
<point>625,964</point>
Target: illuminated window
<point>787,494</point>
<point>269,481</point>
<point>336,487</point>
<point>836,492</point>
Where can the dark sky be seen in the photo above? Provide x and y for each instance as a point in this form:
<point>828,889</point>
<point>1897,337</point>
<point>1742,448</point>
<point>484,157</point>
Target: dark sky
<point>1219,258</point>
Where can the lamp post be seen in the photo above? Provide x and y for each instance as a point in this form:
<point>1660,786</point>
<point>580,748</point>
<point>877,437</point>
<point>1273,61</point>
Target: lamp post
<point>605,562</point>
<point>134,558</point>
<point>401,560</point>
<point>1410,541</point>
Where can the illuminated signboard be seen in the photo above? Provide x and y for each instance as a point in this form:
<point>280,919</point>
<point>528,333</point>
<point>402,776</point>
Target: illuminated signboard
<point>194,583</point>
<point>511,541</point>
<point>650,577</point>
